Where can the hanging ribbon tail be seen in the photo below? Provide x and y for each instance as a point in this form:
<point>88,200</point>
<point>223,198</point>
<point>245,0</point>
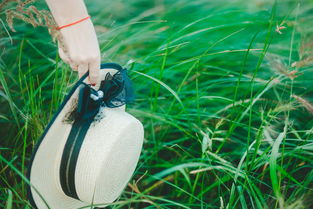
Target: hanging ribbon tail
<point>129,90</point>
<point>87,107</point>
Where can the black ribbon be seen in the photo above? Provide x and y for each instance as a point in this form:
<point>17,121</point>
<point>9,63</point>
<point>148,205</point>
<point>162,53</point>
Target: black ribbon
<point>114,91</point>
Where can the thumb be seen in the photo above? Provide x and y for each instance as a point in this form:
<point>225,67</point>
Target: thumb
<point>64,56</point>
<point>94,68</point>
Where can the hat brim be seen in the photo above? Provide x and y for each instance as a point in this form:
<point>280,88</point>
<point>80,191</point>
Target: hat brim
<point>45,192</point>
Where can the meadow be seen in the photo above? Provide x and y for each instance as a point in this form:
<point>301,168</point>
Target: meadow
<point>224,90</point>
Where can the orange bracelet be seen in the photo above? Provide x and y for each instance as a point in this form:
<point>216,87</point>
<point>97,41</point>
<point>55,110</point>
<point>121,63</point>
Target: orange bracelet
<point>73,23</point>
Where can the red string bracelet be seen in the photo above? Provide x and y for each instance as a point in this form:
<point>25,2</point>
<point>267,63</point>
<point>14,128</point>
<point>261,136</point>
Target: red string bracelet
<point>73,23</point>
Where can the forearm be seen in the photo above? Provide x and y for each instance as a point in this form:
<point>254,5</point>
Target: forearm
<point>79,44</point>
<point>67,11</point>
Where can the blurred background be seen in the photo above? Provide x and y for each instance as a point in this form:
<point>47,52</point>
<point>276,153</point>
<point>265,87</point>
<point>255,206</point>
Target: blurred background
<point>223,88</point>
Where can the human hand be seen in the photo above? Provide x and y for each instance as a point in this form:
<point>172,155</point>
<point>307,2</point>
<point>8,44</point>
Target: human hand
<point>79,47</point>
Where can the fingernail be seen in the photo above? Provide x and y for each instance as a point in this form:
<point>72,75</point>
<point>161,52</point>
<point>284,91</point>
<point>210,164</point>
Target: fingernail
<point>93,84</point>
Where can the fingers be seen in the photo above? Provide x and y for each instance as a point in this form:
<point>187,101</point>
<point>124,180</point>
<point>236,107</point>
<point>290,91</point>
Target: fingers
<point>83,64</point>
<point>94,67</point>
<point>74,66</point>
<point>64,56</point>
<point>67,59</point>
<point>82,69</point>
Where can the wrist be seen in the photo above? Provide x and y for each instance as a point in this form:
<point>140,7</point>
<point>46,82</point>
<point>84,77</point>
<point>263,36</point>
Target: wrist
<point>72,20</point>
<point>73,23</point>
<point>67,11</point>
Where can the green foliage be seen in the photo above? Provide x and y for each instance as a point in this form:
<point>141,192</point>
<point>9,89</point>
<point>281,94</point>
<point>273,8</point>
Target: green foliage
<point>223,88</point>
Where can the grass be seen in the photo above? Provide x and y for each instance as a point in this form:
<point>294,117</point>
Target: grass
<point>225,99</point>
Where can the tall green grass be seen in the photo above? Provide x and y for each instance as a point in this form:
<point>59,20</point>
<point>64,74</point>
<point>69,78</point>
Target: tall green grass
<point>225,99</point>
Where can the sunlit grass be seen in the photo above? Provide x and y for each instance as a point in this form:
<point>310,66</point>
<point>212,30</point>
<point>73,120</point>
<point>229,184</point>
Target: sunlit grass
<point>225,99</point>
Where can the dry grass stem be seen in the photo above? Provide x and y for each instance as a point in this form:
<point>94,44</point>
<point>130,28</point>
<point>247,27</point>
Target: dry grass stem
<point>307,105</point>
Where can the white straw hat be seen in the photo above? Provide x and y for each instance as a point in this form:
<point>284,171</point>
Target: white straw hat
<point>89,150</point>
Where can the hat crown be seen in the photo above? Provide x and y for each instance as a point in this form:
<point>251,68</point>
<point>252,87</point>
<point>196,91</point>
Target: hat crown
<point>108,157</point>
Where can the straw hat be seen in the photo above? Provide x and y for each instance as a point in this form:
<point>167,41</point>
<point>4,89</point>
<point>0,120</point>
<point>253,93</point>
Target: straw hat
<point>90,148</point>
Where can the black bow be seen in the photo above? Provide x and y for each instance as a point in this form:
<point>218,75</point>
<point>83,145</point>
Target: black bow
<point>114,91</point>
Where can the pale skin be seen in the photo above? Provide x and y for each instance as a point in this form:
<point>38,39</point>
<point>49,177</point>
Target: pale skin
<point>80,40</point>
